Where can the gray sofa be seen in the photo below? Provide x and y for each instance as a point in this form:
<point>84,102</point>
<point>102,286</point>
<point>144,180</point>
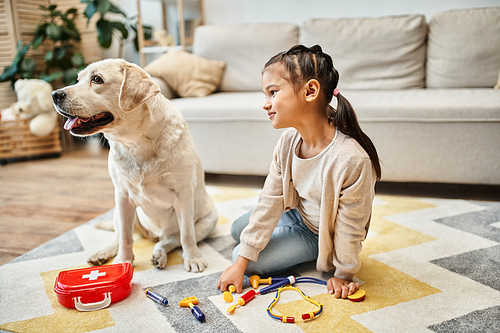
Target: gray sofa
<point>423,92</point>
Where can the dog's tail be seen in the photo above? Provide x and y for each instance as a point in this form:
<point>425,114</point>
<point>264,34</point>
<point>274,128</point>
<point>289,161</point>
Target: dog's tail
<point>110,226</point>
<point>105,225</point>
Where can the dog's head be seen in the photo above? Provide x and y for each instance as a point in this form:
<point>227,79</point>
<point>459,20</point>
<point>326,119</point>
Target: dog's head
<point>106,91</point>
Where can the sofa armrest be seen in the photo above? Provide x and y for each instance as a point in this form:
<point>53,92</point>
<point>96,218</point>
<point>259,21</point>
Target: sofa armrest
<point>164,88</point>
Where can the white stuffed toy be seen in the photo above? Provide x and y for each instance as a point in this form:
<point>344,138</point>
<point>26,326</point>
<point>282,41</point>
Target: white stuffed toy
<point>37,95</point>
<point>19,110</point>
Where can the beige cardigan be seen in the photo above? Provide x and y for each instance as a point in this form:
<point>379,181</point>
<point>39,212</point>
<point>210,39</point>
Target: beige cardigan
<point>346,204</point>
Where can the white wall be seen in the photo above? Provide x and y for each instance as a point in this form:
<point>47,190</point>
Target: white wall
<point>294,11</point>
<point>297,11</point>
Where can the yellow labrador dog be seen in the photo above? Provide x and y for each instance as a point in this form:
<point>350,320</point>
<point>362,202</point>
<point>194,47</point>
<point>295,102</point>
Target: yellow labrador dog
<point>156,170</point>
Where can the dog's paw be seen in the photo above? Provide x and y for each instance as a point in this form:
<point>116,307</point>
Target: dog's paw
<point>159,259</point>
<point>97,260</point>
<point>195,265</point>
<point>124,259</point>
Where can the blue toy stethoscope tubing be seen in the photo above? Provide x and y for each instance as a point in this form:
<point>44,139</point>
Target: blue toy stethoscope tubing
<point>283,281</point>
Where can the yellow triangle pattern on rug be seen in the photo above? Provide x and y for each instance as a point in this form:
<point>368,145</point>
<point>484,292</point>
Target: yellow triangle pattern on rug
<point>384,286</point>
<point>62,319</point>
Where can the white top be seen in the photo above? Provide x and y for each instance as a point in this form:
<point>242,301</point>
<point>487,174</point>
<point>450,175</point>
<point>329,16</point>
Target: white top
<point>307,180</point>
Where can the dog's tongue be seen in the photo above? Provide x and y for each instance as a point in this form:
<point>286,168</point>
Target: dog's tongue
<point>71,123</point>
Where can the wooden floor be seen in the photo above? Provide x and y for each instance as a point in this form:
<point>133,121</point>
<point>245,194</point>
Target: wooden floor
<point>43,198</point>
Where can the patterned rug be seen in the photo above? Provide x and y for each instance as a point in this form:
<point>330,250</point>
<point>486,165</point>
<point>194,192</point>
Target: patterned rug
<point>428,265</point>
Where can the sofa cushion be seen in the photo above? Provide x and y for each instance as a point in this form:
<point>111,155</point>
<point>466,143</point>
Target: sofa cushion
<point>245,49</point>
<point>373,53</point>
<point>464,48</point>
<point>187,74</point>
<point>426,105</point>
<point>411,105</point>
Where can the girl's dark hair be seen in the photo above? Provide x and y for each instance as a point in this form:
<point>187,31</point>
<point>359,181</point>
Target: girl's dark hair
<point>303,64</point>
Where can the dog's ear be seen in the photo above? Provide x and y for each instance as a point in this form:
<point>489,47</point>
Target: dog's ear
<point>136,88</point>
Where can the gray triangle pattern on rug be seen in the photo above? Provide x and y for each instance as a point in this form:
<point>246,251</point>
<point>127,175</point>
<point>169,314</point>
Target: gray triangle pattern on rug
<point>481,265</point>
<point>202,288</point>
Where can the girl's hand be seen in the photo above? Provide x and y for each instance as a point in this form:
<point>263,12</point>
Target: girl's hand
<point>341,288</point>
<point>234,275</point>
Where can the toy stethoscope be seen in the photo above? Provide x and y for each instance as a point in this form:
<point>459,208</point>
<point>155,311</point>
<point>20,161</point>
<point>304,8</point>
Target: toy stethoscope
<point>282,284</point>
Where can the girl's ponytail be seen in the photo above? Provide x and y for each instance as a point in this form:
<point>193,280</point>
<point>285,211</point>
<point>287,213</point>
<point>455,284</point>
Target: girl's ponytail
<point>346,121</point>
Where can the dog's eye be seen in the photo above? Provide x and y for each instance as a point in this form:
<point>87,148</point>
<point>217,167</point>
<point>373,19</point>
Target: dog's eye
<point>97,79</point>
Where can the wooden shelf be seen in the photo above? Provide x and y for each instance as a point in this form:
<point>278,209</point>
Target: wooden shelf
<point>143,49</point>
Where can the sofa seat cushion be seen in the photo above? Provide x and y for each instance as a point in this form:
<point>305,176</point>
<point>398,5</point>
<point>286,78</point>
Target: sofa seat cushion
<point>224,106</point>
<point>426,105</point>
<point>464,48</point>
<point>245,49</point>
<point>373,53</point>
<point>414,105</point>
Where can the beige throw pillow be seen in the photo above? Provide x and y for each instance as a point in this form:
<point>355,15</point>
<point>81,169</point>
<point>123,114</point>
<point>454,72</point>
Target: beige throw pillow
<point>187,74</point>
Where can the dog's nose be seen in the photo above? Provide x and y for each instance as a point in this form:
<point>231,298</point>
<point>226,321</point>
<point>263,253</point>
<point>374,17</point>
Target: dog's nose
<point>58,95</point>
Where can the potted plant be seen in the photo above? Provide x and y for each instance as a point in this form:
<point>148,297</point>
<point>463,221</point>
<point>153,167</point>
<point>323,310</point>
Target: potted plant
<point>61,61</point>
<point>106,28</point>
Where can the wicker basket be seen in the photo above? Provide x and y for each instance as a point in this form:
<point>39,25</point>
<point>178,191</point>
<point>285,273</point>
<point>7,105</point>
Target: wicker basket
<point>17,141</point>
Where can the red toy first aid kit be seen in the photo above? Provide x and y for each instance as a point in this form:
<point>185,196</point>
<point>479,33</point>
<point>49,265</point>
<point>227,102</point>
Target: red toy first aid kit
<point>94,288</point>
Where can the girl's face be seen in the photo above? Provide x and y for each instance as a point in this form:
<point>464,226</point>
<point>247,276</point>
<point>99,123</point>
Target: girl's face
<point>283,104</point>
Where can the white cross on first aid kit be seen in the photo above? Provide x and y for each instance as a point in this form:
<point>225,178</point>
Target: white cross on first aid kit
<point>94,275</point>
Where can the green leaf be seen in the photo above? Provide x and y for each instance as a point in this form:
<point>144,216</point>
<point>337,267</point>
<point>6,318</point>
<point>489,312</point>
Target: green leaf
<point>22,52</point>
<point>120,27</point>
<point>148,31</point>
<point>52,7</point>
<point>5,75</point>
<point>71,11</point>
<point>59,52</point>
<point>49,56</point>
<point>116,10</point>
<point>104,33</point>
<point>54,32</point>
<point>70,75</point>
<point>71,33</point>
<point>77,59</point>
<point>40,29</point>
<point>90,11</point>
<point>103,6</point>
<point>37,41</point>
<point>28,65</point>
<point>53,76</point>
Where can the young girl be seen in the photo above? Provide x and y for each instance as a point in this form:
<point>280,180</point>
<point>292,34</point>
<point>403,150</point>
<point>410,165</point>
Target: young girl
<point>317,199</point>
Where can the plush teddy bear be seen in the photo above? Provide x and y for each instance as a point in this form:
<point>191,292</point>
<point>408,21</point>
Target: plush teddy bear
<point>37,95</point>
<point>18,110</point>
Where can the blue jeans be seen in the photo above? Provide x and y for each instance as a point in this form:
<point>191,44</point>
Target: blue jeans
<point>292,243</point>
